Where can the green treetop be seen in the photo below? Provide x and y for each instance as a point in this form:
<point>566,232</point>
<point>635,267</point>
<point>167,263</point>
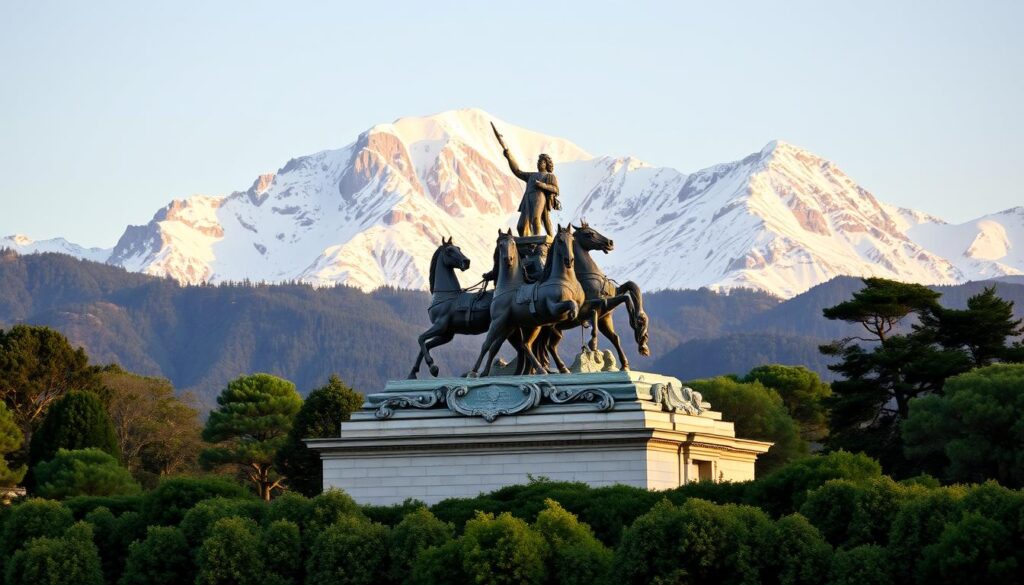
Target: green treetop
<point>251,422</point>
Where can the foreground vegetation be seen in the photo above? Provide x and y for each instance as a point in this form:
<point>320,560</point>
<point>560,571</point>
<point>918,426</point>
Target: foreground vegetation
<point>822,519</point>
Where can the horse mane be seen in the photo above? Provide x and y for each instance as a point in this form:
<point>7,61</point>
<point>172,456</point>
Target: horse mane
<point>433,265</point>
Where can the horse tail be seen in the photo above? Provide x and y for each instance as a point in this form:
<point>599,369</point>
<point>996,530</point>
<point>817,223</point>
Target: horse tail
<point>638,320</point>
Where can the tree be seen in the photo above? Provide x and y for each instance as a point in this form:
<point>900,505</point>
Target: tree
<point>198,521</point>
<point>575,556</point>
<point>253,416</point>
<point>83,472</point>
<point>799,554</point>
<point>37,367</point>
<point>785,490</point>
<point>758,413</point>
<point>982,329</point>
<point>231,554</point>
<point>502,550</point>
<point>863,565</point>
<point>71,558</point>
<point>77,421</point>
<point>162,558</point>
<point>33,518</point>
<point>352,551</point>
<point>157,432</point>
<point>281,549</point>
<point>174,497</point>
<point>973,430</point>
<point>872,399</point>
<point>418,531</point>
<point>321,415</point>
<point>802,392</point>
<point>11,439</point>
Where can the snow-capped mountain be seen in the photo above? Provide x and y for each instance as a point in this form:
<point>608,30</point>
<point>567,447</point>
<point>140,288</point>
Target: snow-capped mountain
<point>372,213</point>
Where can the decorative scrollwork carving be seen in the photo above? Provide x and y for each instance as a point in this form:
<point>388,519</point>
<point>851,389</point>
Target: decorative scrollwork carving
<point>424,400</point>
<point>602,399</point>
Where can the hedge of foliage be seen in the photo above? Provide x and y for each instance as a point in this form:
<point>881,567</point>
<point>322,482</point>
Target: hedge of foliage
<point>823,519</point>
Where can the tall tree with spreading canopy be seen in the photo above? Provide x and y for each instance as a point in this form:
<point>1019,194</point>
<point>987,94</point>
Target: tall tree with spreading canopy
<point>802,392</point>
<point>158,432</point>
<point>250,424</point>
<point>321,415</point>
<point>883,371</point>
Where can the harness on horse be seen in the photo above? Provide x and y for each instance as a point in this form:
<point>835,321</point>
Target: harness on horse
<point>462,298</point>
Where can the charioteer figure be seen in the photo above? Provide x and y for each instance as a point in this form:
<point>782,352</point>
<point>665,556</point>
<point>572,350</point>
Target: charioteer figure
<point>541,194</point>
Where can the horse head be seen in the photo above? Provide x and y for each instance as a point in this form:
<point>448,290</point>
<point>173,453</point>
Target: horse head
<point>562,246</point>
<point>452,255</point>
<point>591,239</point>
<point>506,251</point>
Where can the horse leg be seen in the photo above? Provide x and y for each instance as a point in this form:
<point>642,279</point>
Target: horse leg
<point>557,308</point>
<point>416,366</point>
<point>516,339</point>
<point>436,329</point>
<point>493,330</point>
<point>593,330</point>
<point>637,316</point>
<point>608,330</point>
<point>528,337</point>
<point>501,333</point>
<point>554,338</point>
<point>442,339</point>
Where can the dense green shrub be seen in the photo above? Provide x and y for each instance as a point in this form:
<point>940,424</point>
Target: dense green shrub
<point>69,559</point>
<point>502,550</point>
<point>172,498</point>
<point>112,535</point>
<point>798,555</point>
<point>698,541</point>
<point>162,558</point>
<point>439,565</point>
<point>975,549</point>
<point>849,514</point>
<point>393,514</point>
<point>417,532</point>
<point>575,556</point>
<point>918,523</point>
<point>281,549</point>
<point>11,440</point>
<point>802,392</point>
<point>866,564</point>
<point>973,427</point>
<point>784,491</point>
<point>290,506</point>
<point>331,507</point>
<point>30,519</point>
<point>231,554</point>
<point>83,472</point>
<point>82,505</point>
<point>350,551</point>
<point>200,519</point>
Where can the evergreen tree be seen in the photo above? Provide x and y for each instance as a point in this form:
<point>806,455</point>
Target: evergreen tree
<point>802,392</point>
<point>253,416</point>
<point>162,558</point>
<point>11,440</point>
<point>37,367</point>
<point>76,421</point>
<point>71,558</point>
<point>982,329</point>
<point>880,378</point>
<point>321,415</point>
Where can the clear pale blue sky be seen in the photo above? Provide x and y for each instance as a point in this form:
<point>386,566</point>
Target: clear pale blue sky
<point>109,110</point>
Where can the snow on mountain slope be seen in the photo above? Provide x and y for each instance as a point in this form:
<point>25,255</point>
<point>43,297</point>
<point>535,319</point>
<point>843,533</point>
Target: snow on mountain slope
<point>372,213</point>
<point>27,245</point>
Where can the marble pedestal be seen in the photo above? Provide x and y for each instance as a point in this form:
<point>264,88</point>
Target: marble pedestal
<point>455,437</point>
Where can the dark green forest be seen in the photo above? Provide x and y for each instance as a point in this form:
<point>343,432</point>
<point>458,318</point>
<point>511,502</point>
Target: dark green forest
<point>200,337</point>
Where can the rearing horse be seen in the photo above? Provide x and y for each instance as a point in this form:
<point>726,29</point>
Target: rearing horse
<point>556,297</point>
<point>452,310</point>
<point>602,297</point>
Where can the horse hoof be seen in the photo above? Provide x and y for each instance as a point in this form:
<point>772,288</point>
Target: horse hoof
<point>472,375</point>
<point>434,370</point>
<point>624,368</point>
<point>412,376</point>
<point>564,371</point>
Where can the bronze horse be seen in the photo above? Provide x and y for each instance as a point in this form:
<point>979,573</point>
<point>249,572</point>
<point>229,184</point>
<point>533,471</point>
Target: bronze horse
<point>602,297</point>
<point>453,310</point>
<point>556,297</point>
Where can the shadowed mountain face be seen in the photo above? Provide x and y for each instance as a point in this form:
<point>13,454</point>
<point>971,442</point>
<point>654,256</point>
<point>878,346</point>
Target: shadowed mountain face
<point>200,337</point>
<point>370,214</point>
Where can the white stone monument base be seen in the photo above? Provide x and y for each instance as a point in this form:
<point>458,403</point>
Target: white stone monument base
<point>647,437</point>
